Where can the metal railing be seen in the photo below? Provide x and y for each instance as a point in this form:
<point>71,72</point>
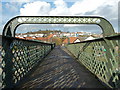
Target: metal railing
<point>19,57</point>
<point>101,57</point>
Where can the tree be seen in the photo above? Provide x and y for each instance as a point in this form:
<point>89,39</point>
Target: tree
<point>57,40</point>
<point>68,32</point>
<point>63,38</point>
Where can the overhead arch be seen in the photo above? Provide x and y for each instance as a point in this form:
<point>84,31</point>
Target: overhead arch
<point>10,27</point>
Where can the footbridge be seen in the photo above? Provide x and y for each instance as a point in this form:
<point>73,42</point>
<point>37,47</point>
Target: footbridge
<point>34,64</point>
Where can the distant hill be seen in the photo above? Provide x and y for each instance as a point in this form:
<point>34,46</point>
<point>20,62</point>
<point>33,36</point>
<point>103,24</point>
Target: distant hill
<point>44,32</point>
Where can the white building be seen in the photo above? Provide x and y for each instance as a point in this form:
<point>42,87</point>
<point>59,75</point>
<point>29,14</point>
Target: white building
<point>90,38</point>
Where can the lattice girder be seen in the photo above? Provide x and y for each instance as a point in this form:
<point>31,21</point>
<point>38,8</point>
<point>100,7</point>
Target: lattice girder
<point>11,26</point>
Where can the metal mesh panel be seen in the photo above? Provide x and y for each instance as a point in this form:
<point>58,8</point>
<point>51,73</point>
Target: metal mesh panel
<point>19,57</point>
<point>102,63</point>
<point>99,58</point>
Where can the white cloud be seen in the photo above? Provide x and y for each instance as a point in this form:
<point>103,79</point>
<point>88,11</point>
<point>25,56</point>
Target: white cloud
<point>61,8</point>
<point>0,12</point>
<point>40,8</point>
<point>12,7</point>
<point>84,6</point>
<point>1,28</point>
<point>71,25</point>
<point>35,9</point>
<point>104,8</point>
<point>21,0</point>
<point>16,0</point>
<point>78,8</point>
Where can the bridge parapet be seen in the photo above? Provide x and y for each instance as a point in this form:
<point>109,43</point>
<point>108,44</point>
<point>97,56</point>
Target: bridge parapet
<point>20,56</point>
<point>101,57</point>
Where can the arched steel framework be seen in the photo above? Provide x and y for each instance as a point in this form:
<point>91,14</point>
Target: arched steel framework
<point>10,27</point>
<point>100,56</point>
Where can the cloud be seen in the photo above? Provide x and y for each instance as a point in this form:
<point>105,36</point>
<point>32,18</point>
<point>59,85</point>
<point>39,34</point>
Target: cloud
<point>75,28</point>
<point>38,8</point>
<point>0,12</point>
<point>85,28</point>
<point>104,8</point>
<point>71,25</point>
<point>12,7</point>
<point>35,27</point>
<point>9,10</point>
<point>84,6</point>
<point>61,8</point>
<point>1,24</point>
<point>81,7</point>
<point>41,8</point>
<point>36,0</point>
<point>16,0</point>
<point>21,0</point>
<point>1,28</point>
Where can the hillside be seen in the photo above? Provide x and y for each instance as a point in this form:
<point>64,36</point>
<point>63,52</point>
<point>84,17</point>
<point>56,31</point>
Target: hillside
<point>44,32</point>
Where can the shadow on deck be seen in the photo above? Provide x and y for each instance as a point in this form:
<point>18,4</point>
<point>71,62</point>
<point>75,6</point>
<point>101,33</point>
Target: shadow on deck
<point>60,70</point>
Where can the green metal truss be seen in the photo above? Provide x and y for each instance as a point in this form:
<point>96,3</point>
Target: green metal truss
<point>99,56</point>
<point>15,22</point>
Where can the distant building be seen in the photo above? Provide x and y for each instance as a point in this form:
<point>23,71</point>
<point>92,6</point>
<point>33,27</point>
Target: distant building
<point>39,35</point>
<point>71,40</point>
<point>46,39</point>
<point>29,38</point>
<point>49,38</point>
<point>90,38</point>
<point>66,34</point>
<point>32,37</point>
<point>20,37</point>
<point>41,39</point>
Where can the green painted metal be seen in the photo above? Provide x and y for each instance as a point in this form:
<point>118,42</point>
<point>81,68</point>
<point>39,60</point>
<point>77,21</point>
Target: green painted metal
<point>15,22</point>
<point>20,56</point>
<point>100,57</point>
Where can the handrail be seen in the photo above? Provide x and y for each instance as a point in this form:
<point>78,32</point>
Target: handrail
<point>18,53</point>
<point>101,57</point>
<point>115,37</point>
<point>34,41</point>
<point>20,57</point>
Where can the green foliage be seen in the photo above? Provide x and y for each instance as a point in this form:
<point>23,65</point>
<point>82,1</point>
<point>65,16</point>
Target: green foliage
<point>44,32</point>
<point>57,40</point>
<point>63,38</point>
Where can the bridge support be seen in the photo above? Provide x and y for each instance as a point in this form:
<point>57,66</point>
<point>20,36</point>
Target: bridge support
<point>20,63</point>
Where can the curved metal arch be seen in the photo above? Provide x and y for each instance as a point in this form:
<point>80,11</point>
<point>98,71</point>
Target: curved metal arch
<point>10,27</point>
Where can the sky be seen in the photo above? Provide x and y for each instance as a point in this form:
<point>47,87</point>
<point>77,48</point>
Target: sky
<point>104,8</point>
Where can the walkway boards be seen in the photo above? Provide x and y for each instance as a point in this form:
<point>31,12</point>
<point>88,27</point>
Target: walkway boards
<point>60,70</point>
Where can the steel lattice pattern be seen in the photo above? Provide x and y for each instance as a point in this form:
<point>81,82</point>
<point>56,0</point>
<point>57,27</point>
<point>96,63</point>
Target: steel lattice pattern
<point>15,22</point>
<point>101,61</point>
<point>95,57</point>
<point>24,56</point>
<point>58,20</point>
